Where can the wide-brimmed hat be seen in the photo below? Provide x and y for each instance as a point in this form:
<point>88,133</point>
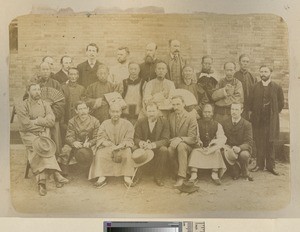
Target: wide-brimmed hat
<point>141,156</point>
<point>44,147</point>
<point>230,155</point>
<point>188,187</point>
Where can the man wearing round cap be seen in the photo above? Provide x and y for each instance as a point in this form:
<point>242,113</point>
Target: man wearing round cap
<point>80,138</point>
<point>152,134</point>
<point>113,155</point>
<point>239,142</point>
<point>35,119</point>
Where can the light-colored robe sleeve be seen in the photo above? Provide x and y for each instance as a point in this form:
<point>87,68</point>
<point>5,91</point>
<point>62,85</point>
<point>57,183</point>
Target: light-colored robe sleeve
<point>128,135</point>
<point>148,90</point>
<point>220,139</point>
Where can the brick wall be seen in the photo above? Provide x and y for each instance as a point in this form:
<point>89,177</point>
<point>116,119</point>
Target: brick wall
<point>225,37</point>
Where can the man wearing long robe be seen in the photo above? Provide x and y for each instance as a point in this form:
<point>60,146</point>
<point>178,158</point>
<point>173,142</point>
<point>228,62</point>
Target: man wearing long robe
<point>228,90</point>
<point>266,104</point>
<point>95,94</point>
<point>195,88</point>
<point>206,79</point>
<point>211,140</point>
<point>36,118</point>
<point>57,107</point>
<point>248,81</point>
<point>113,155</point>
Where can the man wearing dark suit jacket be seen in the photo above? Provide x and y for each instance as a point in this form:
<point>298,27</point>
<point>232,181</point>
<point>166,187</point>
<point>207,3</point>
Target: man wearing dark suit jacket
<point>266,104</point>
<point>175,62</point>
<point>152,132</point>
<point>239,141</point>
<point>88,69</point>
<point>183,134</point>
<point>62,76</point>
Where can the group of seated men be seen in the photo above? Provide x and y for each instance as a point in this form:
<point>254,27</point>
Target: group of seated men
<point>85,127</point>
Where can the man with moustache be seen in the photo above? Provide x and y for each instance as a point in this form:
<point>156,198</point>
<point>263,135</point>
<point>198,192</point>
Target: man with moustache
<point>95,94</point>
<point>152,133</point>
<point>247,80</point>
<point>175,62</point>
<point>80,139</point>
<point>196,89</point>
<point>267,101</point>
<point>206,79</point>
<point>113,155</point>
<point>133,92</point>
<point>73,93</point>
<point>36,118</point>
<point>238,149</point>
<point>147,72</point>
<point>120,72</point>
<point>62,75</point>
<point>160,89</point>
<point>228,90</point>
<point>58,107</point>
<point>183,137</point>
<point>88,69</point>
<point>211,140</point>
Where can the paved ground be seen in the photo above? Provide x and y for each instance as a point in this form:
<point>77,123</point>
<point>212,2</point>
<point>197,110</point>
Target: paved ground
<point>267,193</point>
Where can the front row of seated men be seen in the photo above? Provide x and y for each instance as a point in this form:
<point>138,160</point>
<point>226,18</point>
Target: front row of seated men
<point>106,149</point>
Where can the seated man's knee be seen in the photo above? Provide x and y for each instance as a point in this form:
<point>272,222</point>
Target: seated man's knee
<point>182,147</point>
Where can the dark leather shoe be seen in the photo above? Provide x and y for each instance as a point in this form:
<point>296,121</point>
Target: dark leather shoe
<point>273,172</point>
<point>159,182</point>
<point>42,190</point>
<point>256,169</point>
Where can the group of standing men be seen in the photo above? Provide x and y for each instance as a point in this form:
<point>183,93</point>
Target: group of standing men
<point>100,134</point>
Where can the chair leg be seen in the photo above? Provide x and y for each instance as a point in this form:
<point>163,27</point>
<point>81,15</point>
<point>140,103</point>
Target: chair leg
<point>27,170</point>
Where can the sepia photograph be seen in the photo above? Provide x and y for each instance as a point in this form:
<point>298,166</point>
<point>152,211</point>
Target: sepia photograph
<point>141,112</point>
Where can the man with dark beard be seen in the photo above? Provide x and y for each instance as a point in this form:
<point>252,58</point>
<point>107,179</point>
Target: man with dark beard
<point>205,78</point>
<point>266,104</point>
<point>211,139</point>
<point>147,72</point>
<point>35,120</point>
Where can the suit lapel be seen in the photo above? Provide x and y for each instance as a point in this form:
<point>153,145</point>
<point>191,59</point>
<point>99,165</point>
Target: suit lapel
<point>157,128</point>
<point>182,120</point>
<point>146,129</point>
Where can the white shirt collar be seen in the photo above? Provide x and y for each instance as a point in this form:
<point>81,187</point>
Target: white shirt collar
<point>266,83</point>
<point>151,125</point>
<point>65,72</point>
<point>93,63</point>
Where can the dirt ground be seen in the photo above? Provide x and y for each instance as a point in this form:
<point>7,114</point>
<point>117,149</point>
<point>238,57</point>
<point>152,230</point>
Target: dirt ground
<point>79,197</point>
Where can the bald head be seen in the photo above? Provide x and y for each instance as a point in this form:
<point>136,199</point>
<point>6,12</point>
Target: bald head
<point>150,52</point>
<point>45,70</point>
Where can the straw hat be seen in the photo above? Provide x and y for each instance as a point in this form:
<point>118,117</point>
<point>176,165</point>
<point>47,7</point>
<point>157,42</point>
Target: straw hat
<point>141,156</point>
<point>44,147</point>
